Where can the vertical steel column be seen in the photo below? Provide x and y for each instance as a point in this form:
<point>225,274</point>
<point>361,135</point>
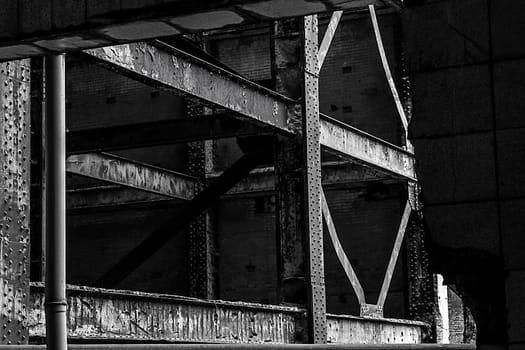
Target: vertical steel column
<point>286,75</point>
<point>55,124</point>
<point>15,199</point>
<point>312,183</point>
<point>202,271</point>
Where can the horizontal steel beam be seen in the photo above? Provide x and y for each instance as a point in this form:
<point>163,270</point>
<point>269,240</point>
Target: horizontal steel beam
<point>166,67</point>
<point>206,127</point>
<point>259,181</point>
<point>139,176</point>
<point>250,346</point>
<point>356,145</point>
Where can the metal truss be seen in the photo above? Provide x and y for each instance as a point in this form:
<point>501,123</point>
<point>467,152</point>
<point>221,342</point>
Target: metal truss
<point>249,109</point>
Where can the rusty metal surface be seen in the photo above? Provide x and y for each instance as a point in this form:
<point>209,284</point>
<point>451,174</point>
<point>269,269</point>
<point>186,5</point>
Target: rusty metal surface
<point>117,170</point>
<point>344,329</point>
<point>172,69</point>
<point>176,71</point>
<point>119,315</point>
<point>259,181</point>
<point>14,204</point>
<point>252,347</point>
<point>124,315</point>
<point>202,262</point>
<point>354,144</point>
<point>286,176</point>
<point>315,284</point>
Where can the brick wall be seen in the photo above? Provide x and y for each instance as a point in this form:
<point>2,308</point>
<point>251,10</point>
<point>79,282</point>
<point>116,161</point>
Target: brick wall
<point>97,240</point>
<point>366,227</point>
<point>352,85</point>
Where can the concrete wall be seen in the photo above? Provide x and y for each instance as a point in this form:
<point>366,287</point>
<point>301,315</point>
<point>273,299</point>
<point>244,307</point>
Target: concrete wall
<point>467,64</point>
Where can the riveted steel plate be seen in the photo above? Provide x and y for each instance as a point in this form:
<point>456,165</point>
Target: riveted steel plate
<point>14,201</point>
<point>312,182</point>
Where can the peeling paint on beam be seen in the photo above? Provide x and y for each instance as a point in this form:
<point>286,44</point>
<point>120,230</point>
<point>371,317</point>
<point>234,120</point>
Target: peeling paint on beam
<point>174,70</point>
<point>107,314</point>
<point>98,314</point>
<point>356,145</point>
<point>344,329</point>
<point>143,177</point>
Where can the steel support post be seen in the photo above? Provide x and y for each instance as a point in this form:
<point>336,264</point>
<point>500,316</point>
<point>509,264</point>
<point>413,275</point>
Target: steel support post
<point>286,71</point>
<point>202,272</point>
<point>55,199</point>
<point>312,184</point>
<point>14,204</point>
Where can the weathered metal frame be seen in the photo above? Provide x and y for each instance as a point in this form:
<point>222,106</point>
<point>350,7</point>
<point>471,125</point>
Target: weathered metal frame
<point>316,130</point>
<point>386,68</point>
<point>133,259</point>
<point>121,171</point>
<point>311,131</point>
<point>165,67</point>
<point>15,182</point>
<point>370,310</point>
<point>374,310</point>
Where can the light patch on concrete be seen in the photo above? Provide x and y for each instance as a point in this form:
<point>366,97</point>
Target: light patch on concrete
<point>69,43</point>
<point>19,51</point>
<point>276,8</point>
<point>208,20</point>
<point>140,30</point>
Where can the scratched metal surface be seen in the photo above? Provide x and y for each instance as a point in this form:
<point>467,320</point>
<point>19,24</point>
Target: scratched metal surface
<point>343,329</point>
<point>124,315</point>
<point>14,200</point>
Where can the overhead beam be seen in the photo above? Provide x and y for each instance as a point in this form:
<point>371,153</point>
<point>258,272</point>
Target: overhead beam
<point>260,181</point>
<point>165,67</point>
<point>136,175</point>
<point>32,28</point>
<point>206,127</point>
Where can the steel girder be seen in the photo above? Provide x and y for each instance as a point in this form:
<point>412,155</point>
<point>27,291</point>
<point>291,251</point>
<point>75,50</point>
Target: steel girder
<point>120,171</point>
<point>165,67</point>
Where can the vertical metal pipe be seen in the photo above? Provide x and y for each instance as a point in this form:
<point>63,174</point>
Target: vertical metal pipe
<point>55,131</point>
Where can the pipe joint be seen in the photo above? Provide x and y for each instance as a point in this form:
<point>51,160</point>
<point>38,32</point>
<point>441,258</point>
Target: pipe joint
<point>55,306</point>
